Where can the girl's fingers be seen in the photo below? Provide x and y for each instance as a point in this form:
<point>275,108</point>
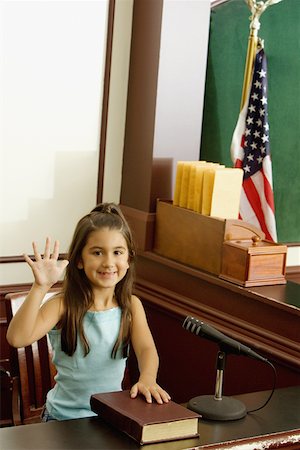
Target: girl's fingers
<point>47,252</point>
<point>28,260</point>
<point>47,249</point>
<point>164,396</point>
<point>156,392</point>
<point>64,263</point>
<point>133,391</point>
<point>37,255</point>
<point>55,253</point>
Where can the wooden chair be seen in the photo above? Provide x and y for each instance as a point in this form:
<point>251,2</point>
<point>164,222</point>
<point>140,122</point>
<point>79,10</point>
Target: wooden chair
<point>9,400</point>
<point>32,367</point>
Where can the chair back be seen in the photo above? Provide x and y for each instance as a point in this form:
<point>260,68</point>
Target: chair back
<point>9,412</point>
<point>31,365</point>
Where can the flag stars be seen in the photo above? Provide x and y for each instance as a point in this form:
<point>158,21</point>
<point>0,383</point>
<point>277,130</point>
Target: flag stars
<point>262,73</point>
<point>261,112</point>
<point>255,139</point>
<point>264,100</point>
<point>262,149</point>
<point>257,84</point>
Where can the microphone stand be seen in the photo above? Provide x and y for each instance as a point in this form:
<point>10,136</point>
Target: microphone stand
<point>217,407</point>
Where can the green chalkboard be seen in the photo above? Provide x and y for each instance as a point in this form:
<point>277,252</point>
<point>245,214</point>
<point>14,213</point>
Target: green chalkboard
<point>229,32</point>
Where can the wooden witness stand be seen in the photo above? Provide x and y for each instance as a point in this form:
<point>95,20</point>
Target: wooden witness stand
<point>260,317</point>
<point>266,318</point>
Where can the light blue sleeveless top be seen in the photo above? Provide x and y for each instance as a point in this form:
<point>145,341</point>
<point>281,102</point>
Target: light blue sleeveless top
<point>79,377</point>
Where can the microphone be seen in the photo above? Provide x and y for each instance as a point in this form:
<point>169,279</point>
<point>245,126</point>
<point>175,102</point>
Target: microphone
<point>204,330</point>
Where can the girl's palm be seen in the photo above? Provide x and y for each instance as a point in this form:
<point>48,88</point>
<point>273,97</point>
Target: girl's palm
<point>46,269</point>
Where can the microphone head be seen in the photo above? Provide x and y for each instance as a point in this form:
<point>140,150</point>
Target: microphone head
<point>226,343</point>
<point>191,324</point>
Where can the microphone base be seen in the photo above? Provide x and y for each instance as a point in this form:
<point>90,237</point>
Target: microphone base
<point>227,408</point>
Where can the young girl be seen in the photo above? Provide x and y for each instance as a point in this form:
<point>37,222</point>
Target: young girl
<point>94,318</point>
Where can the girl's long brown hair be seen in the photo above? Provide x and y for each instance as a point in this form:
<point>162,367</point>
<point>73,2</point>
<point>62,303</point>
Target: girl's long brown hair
<point>77,292</point>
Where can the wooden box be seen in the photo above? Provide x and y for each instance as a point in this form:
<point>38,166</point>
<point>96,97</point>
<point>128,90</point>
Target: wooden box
<point>253,262</point>
<point>194,239</point>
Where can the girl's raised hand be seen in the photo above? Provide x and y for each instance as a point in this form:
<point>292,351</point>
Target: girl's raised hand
<point>46,268</point>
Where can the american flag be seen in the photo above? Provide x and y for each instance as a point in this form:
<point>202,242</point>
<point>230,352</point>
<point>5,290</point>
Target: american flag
<point>250,150</point>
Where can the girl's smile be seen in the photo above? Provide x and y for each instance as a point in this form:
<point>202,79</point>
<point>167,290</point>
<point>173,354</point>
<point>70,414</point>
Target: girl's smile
<point>107,275</point>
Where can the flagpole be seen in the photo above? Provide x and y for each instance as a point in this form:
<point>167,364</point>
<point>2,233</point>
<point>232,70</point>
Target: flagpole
<point>256,8</point>
<point>251,51</point>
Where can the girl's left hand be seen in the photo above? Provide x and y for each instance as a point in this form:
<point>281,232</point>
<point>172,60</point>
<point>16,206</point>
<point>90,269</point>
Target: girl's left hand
<point>149,391</point>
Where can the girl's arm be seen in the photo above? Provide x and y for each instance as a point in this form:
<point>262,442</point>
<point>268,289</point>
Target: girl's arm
<point>31,322</point>
<point>147,357</point>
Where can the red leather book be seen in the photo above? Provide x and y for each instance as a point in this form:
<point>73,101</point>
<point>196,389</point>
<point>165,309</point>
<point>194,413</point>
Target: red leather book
<point>145,422</point>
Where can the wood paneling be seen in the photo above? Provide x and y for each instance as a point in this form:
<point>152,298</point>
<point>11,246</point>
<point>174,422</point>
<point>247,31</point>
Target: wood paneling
<point>141,106</point>
<point>170,291</point>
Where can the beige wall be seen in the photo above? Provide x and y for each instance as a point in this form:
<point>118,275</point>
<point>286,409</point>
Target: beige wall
<point>52,56</point>
<point>52,60</point>
<point>54,151</point>
<point>181,80</point>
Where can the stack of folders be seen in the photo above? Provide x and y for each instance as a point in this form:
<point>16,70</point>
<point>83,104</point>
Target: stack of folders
<point>208,188</point>
<point>145,422</point>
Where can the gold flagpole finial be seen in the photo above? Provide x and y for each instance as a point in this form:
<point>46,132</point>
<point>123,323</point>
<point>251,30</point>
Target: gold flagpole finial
<point>256,8</point>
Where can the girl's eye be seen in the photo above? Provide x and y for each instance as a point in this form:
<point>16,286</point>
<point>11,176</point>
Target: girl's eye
<point>118,252</point>
<point>97,253</point>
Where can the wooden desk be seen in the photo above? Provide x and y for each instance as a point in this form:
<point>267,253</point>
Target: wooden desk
<point>275,426</point>
<point>266,318</point>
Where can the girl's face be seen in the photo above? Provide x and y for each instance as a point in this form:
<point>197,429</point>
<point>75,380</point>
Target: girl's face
<point>104,258</point>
